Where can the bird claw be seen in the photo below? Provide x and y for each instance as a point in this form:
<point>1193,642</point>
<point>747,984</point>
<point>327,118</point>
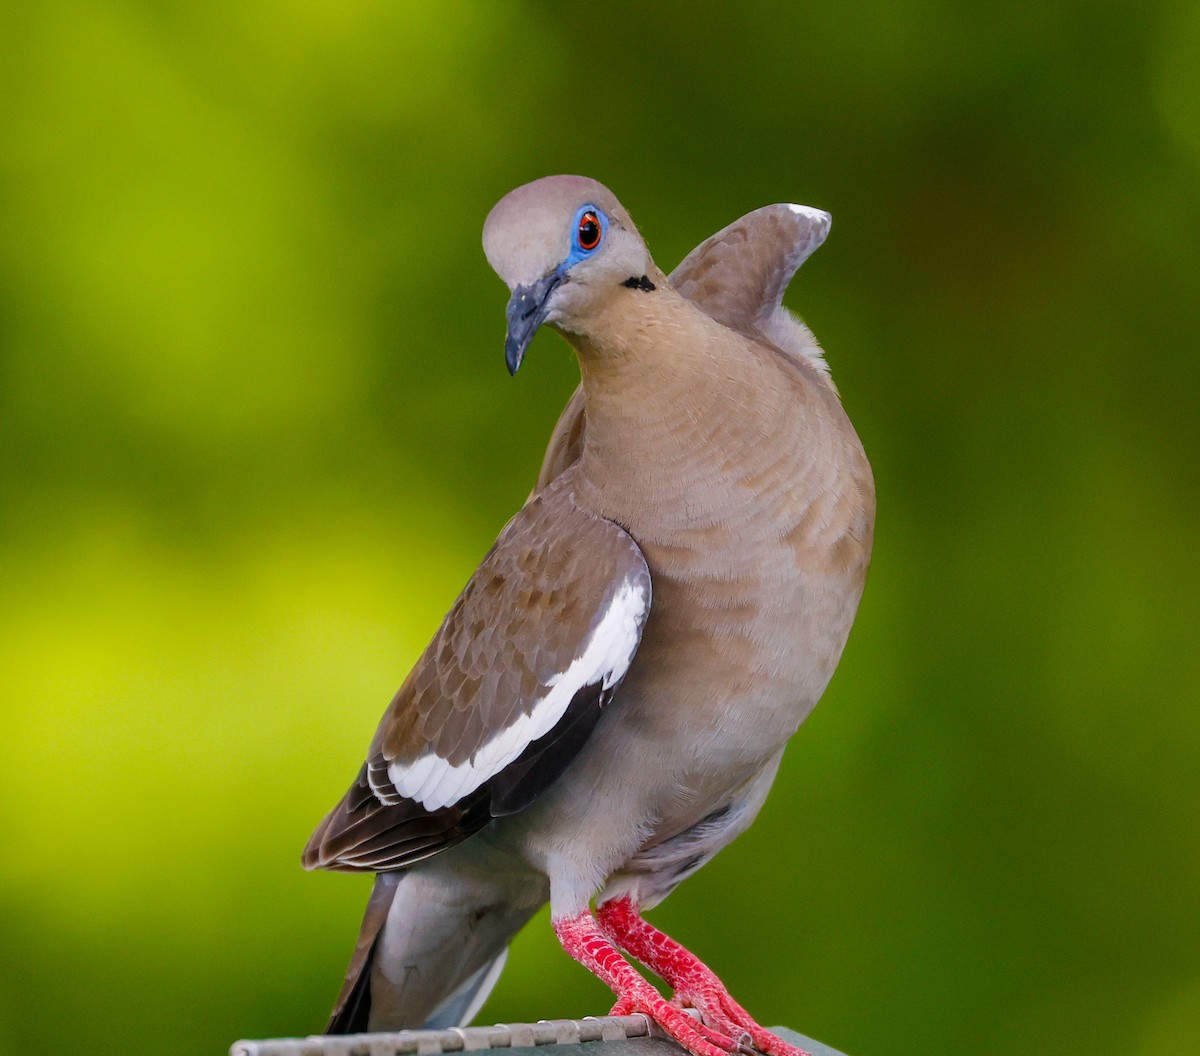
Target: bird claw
<point>722,1028</point>
<point>694,1035</point>
<point>735,1020</point>
<point>695,985</point>
<point>748,1038</point>
<point>745,1045</point>
<point>722,1012</point>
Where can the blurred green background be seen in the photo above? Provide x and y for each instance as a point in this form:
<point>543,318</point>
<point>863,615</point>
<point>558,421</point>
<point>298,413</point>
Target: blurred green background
<point>256,431</point>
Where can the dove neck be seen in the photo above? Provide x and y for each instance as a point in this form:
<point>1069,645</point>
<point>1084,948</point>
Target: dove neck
<point>668,393</point>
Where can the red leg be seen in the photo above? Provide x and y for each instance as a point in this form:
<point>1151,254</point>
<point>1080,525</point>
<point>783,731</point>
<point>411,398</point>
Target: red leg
<point>694,983</point>
<point>582,938</point>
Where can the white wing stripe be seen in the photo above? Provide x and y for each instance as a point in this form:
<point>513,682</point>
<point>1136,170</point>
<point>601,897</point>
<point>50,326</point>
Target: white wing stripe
<point>434,783</point>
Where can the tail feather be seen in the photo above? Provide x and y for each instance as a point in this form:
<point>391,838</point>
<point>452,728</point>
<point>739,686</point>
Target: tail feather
<point>352,1014</point>
<point>352,1010</point>
<point>464,1004</point>
<point>432,946</point>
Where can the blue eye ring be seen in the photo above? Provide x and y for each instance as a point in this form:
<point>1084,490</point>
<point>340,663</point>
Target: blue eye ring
<point>587,232</point>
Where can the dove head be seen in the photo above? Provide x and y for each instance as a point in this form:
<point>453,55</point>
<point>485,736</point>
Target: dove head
<point>564,246</point>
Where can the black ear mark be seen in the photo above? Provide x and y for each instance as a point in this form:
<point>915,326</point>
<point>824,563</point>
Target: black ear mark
<point>642,282</point>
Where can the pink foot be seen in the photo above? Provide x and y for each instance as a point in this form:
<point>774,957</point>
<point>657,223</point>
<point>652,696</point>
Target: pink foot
<point>582,938</point>
<point>695,984</point>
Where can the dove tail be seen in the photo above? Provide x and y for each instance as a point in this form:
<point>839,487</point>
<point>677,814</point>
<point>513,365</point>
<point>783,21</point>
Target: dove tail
<point>431,948</point>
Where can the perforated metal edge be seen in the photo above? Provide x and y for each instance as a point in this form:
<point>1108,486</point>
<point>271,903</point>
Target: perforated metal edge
<point>457,1039</point>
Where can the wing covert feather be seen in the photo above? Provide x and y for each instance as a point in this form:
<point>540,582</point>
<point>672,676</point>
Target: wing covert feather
<point>505,694</point>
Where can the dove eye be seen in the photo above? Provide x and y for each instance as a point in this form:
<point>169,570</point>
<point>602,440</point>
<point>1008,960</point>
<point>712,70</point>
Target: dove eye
<point>588,231</point>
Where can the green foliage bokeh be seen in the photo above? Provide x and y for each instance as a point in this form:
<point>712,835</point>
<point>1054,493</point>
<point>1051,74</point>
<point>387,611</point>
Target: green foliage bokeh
<point>255,432</point>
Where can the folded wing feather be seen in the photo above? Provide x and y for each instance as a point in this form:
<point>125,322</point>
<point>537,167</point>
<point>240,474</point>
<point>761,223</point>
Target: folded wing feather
<point>533,649</point>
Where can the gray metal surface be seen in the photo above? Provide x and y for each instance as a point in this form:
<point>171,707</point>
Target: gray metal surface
<point>604,1036</point>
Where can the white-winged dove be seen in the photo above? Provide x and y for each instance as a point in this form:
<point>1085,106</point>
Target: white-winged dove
<point>606,704</point>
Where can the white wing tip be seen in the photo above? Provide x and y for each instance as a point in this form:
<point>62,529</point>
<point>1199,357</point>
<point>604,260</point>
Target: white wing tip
<point>817,216</point>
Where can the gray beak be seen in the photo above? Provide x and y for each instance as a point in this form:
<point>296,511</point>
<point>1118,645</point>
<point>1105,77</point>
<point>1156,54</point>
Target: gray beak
<point>525,313</point>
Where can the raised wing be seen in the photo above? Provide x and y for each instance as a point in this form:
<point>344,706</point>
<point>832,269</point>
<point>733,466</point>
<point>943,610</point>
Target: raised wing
<point>504,696</point>
<point>738,276</point>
